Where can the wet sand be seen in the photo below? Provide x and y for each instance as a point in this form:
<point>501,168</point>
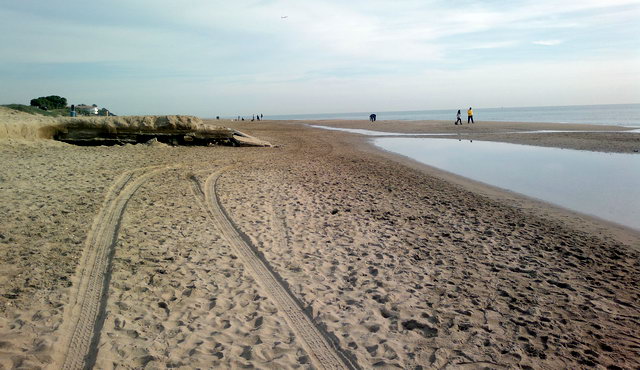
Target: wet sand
<point>600,138</point>
<point>320,251</point>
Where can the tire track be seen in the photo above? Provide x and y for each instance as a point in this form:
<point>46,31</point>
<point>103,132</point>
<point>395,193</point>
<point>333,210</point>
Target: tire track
<point>84,316</point>
<point>320,348</point>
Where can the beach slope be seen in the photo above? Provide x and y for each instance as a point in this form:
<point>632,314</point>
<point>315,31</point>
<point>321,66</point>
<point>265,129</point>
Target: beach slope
<point>317,252</point>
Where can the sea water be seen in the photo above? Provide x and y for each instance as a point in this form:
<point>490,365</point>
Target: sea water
<point>606,185</point>
<point>612,114</point>
<point>387,133</point>
<point>374,133</point>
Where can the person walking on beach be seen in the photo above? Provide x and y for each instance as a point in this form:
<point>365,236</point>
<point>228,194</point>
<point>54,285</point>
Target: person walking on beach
<point>469,116</point>
<point>372,117</point>
<point>458,119</point>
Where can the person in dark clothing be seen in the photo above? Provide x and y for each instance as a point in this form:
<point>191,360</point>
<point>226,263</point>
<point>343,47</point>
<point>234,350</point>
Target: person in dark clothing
<point>372,117</point>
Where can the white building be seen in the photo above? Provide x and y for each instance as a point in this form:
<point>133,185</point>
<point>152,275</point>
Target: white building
<point>89,108</point>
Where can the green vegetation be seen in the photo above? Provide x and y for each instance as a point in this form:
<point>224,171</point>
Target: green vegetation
<point>36,110</point>
<point>54,106</point>
<point>49,102</point>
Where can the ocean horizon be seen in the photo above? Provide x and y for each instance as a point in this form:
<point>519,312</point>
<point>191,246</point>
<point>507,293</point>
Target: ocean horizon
<point>604,114</point>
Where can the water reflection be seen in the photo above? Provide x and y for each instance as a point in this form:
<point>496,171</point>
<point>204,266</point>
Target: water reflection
<point>381,133</point>
<point>375,133</point>
<point>606,185</point>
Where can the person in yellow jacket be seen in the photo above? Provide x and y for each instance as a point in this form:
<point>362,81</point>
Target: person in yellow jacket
<point>470,115</point>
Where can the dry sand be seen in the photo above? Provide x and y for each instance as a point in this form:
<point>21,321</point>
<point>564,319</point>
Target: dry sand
<point>320,252</point>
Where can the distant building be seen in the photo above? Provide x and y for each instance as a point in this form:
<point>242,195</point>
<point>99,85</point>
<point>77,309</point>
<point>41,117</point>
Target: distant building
<point>87,108</point>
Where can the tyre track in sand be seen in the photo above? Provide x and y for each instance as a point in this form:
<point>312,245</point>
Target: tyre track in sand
<point>321,350</point>
<point>84,316</point>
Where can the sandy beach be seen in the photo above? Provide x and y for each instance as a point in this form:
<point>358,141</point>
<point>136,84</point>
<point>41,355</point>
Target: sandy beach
<point>319,252</point>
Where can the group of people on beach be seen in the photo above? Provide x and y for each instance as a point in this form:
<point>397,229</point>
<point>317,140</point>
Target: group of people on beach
<point>253,118</point>
<point>372,117</point>
<point>469,117</point>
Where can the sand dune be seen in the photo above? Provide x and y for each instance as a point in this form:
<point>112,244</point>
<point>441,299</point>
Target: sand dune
<point>92,130</point>
<point>19,125</point>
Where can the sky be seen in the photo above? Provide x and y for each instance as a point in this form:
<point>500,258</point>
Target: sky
<point>229,58</point>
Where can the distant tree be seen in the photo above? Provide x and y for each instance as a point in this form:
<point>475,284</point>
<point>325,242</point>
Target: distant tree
<point>49,102</point>
<point>94,105</point>
<point>39,102</point>
<point>57,102</point>
<point>83,111</point>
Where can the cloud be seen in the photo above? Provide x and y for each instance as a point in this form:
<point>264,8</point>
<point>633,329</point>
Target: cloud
<point>493,45</point>
<point>349,32</point>
<point>213,48</point>
<point>548,42</point>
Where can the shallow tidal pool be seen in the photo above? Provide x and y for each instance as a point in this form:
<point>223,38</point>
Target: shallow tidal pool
<point>606,185</point>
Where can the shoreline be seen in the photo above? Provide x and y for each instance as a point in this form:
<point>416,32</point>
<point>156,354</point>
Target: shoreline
<point>624,234</point>
<point>614,114</point>
<point>600,138</point>
<point>398,263</point>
